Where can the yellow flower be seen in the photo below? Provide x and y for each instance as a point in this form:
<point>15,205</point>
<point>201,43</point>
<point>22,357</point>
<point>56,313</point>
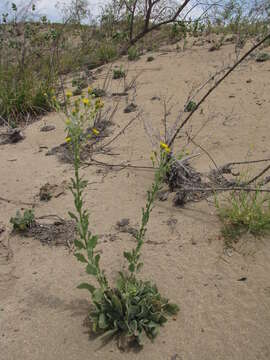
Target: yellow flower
<point>165,147</point>
<point>68,139</point>
<point>85,101</point>
<point>68,122</point>
<point>89,90</point>
<point>95,131</point>
<point>69,94</point>
<point>99,104</point>
<point>54,98</point>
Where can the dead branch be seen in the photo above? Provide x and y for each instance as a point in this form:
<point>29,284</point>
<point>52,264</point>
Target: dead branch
<point>16,202</point>
<point>232,188</point>
<point>259,175</point>
<point>228,72</point>
<point>204,150</point>
<point>122,130</point>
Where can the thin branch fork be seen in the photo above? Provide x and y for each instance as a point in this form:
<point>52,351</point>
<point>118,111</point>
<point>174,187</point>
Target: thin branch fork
<point>121,131</point>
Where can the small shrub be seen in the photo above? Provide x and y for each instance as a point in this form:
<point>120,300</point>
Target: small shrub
<point>97,92</point>
<point>191,106</point>
<point>119,73</point>
<point>22,222</point>
<point>244,212</point>
<point>45,193</point>
<point>106,53</point>
<point>150,58</point>
<point>133,54</point>
<point>263,57</point>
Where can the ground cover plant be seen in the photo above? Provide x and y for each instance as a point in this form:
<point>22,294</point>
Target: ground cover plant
<point>132,308</point>
<point>119,73</point>
<point>22,222</point>
<point>244,212</point>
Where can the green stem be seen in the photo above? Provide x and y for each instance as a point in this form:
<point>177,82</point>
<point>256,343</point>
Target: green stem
<point>84,232</point>
<point>133,257</point>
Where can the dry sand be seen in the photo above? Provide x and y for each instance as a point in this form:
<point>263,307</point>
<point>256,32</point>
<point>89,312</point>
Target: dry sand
<point>221,318</point>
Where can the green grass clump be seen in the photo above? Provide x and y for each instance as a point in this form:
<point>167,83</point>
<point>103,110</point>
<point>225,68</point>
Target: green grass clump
<point>244,212</point>
<point>106,53</point>
<point>191,106</point>
<point>119,73</point>
<point>263,57</point>
<point>22,95</point>
<point>22,222</point>
<point>133,54</point>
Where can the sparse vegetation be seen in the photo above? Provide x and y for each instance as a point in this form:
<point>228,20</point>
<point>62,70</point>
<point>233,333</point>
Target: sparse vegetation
<point>191,106</point>
<point>22,222</point>
<point>119,73</point>
<point>40,60</point>
<point>133,54</point>
<point>263,57</point>
<point>244,212</point>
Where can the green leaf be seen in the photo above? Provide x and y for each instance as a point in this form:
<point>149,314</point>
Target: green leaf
<point>139,266</point>
<point>81,258</point>
<point>128,256</point>
<point>131,268</point>
<point>86,286</point>
<point>154,331</point>
<point>97,258</point>
<point>91,269</point>
<point>117,304</point>
<point>102,323</point>
<point>171,309</point>
<point>98,295</point>
<point>92,242</point>
<point>133,326</point>
<point>73,216</point>
<point>79,245</point>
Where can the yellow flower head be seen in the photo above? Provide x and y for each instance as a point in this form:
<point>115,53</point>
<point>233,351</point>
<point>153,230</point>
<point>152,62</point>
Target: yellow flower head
<point>68,139</point>
<point>69,94</point>
<point>68,122</point>
<point>168,150</point>
<point>89,90</point>
<point>85,101</point>
<point>165,147</point>
<point>95,131</point>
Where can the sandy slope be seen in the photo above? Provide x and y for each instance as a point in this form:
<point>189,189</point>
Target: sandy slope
<point>221,318</point>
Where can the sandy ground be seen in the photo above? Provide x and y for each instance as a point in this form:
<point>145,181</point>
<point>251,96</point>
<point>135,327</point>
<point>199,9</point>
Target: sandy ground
<point>221,318</point>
